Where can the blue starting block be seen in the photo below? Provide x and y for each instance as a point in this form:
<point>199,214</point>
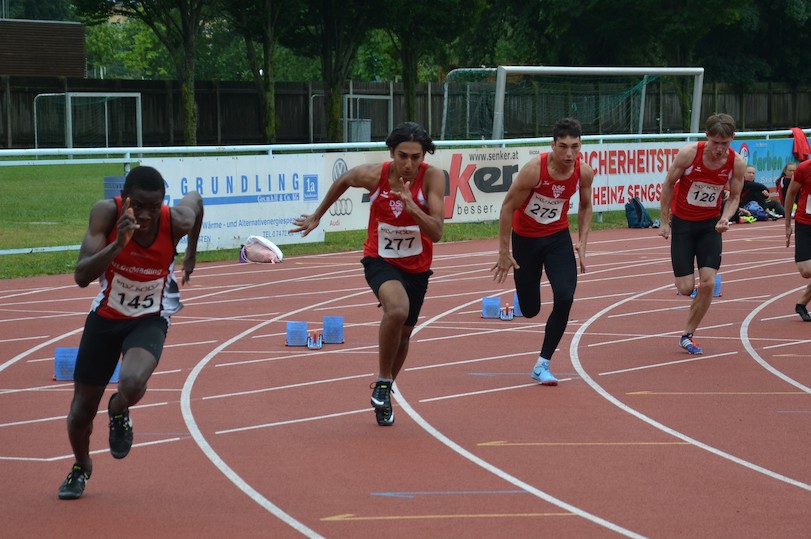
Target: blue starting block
<point>491,307</point>
<point>65,364</point>
<point>333,329</point>
<point>716,290</point>
<point>516,305</point>
<point>296,334</point>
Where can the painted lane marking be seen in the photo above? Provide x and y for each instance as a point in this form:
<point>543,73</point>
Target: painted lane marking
<point>669,363</point>
<point>504,443</point>
<point>349,517</point>
<point>498,472</point>
<point>208,450</point>
<point>575,358</point>
<point>411,495</point>
<point>749,348</point>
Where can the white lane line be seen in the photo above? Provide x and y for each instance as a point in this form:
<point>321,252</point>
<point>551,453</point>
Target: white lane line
<point>668,363</point>
<point>498,472</point>
<point>201,441</point>
<point>752,352</point>
<point>94,452</point>
<point>575,358</point>
<point>289,386</point>
<point>294,421</point>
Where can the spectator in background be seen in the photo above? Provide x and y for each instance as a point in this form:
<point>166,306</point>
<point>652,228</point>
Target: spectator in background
<point>784,180</point>
<point>753,191</point>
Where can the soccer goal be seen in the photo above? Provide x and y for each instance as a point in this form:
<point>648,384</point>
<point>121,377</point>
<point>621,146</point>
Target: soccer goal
<point>526,101</point>
<point>88,120</point>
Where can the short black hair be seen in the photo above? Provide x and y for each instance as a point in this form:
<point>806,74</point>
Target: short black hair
<point>410,131</point>
<point>144,178</point>
<point>567,127</point>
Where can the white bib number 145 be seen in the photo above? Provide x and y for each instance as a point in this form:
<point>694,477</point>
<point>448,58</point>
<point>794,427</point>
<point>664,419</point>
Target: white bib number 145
<point>135,298</point>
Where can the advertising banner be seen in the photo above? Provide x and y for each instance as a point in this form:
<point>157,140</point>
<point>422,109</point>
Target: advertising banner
<point>247,195</point>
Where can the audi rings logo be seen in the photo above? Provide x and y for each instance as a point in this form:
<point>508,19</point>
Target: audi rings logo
<point>338,168</point>
<point>342,206</point>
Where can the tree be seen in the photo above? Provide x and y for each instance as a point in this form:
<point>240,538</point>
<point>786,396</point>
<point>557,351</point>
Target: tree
<point>332,30</point>
<point>178,25</point>
<point>416,31</point>
<point>260,21</point>
<point>42,10</point>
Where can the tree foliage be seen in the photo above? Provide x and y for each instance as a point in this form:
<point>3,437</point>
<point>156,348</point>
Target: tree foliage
<point>178,25</point>
<point>737,41</point>
<point>332,30</point>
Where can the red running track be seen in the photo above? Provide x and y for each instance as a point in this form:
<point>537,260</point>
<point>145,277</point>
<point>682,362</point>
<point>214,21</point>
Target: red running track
<point>242,436</point>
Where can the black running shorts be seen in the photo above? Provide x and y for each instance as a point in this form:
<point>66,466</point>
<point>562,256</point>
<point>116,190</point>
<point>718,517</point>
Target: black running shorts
<point>694,242</point>
<point>802,242</point>
<point>104,341</point>
<point>378,271</point>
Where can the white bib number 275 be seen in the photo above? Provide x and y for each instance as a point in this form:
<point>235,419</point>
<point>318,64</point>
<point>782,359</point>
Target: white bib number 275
<point>135,298</point>
<point>545,210</point>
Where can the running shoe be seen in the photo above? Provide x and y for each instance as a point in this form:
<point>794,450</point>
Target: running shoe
<point>773,215</point>
<point>73,485</point>
<point>384,417</point>
<point>381,401</point>
<point>120,432</point>
<point>541,374</point>
<point>803,312</point>
<point>690,345</point>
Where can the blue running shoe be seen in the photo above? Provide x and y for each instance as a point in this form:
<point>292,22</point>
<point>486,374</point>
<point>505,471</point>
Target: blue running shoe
<point>690,345</point>
<point>541,374</point>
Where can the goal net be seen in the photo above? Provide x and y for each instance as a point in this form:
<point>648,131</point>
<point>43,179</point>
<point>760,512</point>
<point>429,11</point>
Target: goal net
<point>88,120</point>
<point>526,101</point>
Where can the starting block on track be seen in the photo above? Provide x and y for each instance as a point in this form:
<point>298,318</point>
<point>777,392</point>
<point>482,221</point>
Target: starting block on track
<point>491,307</point>
<point>315,340</point>
<point>333,330</point>
<point>516,305</point>
<point>296,334</point>
<point>65,364</point>
<point>716,291</point>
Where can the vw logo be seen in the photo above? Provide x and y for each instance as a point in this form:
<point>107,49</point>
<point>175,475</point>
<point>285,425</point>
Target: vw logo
<point>338,168</point>
<point>342,206</point>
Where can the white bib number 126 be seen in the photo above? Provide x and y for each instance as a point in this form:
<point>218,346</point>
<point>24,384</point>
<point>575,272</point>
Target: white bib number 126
<point>704,194</point>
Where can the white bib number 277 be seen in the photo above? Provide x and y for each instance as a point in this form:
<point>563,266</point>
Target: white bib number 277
<point>398,241</point>
<point>135,298</point>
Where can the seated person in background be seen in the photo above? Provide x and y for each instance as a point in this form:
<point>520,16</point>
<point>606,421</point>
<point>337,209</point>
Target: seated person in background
<point>784,180</point>
<point>741,215</point>
<point>757,192</point>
